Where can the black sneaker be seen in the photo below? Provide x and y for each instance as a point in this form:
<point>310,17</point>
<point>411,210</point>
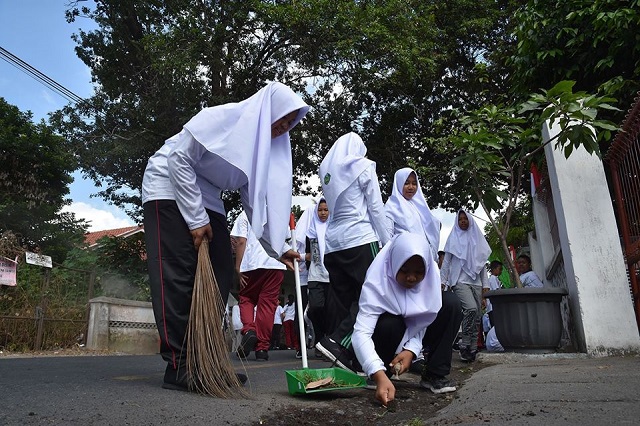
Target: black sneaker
<point>247,344</point>
<point>318,353</point>
<point>299,354</point>
<point>466,355</point>
<point>262,355</point>
<point>336,353</point>
<point>176,379</point>
<point>417,367</point>
<point>437,384</point>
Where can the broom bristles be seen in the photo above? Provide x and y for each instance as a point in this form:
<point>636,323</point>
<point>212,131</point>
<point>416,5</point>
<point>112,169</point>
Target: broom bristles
<point>209,366</point>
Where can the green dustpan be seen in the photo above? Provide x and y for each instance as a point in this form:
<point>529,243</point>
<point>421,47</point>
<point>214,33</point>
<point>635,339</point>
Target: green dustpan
<point>297,380</point>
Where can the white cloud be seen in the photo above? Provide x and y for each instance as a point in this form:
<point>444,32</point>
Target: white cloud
<point>98,219</point>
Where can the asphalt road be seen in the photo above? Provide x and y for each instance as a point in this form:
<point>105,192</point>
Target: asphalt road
<point>126,390</point>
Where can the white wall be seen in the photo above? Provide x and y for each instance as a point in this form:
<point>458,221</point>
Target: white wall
<point>599,298</point>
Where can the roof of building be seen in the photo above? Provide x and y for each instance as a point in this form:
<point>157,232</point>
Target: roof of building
<point>91,238</point>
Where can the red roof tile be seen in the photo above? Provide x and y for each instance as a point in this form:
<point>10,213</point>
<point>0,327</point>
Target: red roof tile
<point>91,238</point>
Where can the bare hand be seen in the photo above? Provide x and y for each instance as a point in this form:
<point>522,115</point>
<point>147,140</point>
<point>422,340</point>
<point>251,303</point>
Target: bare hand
<point>289,257</point>
<point>385,391</point>
<point>243,280</point>
<point>199,233</point>
<point>401,363</point>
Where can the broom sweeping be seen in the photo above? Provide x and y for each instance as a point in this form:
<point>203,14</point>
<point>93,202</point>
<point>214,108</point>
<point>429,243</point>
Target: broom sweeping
<point>208,361</point>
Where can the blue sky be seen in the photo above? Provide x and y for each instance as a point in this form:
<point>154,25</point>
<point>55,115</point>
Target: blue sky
<point>36,32</point>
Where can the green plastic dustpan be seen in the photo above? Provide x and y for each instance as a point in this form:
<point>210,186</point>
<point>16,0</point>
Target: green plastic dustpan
<point>297,380</point>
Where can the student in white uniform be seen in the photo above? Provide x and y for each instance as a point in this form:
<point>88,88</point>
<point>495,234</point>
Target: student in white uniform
<point>528,278</point>
<point>238,146</point>
<point>318,274</point>
<point>260,280</point>
<point>353,237</point>
<point>407,209</point>
<point>301,246</point>
<point>463,270</point>
<point>399,305</point>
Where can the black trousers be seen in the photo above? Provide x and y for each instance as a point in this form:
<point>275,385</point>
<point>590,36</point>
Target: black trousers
<point>302,340</point>
<point>347,270</point>
<point>317,297</point>
<point>437,339</point>
<point>172,261</point>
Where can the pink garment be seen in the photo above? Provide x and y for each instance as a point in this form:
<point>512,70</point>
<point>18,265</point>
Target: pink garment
<point>262,290</point>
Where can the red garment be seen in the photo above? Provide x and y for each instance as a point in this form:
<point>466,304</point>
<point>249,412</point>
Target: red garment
<point>262,290</point>
<point>290,334</point>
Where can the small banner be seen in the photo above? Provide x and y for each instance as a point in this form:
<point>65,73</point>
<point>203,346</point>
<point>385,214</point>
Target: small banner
<point>8,269</point>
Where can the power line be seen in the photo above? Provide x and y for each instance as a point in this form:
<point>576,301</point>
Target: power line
<point>39,76</point>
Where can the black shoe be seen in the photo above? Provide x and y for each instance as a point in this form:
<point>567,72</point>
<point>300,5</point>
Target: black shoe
<point>417,367</point>
<point>176,379</point>
<point>299,354</point>
<point>247,344</point>
<point>262,355</point>
<point>466,355</point>
<point>336,353</point>
<point>318,353</point>
<point>437,384</point>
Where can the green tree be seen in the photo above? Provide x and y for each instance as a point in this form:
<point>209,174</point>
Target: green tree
<point>386,69</point>
<point>495,145</point>
<point>36,172</point>
<point>593,42</point>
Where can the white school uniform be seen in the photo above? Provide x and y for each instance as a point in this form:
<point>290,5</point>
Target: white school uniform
<point>381,294</point>
<point>229,147</point>
<point>317,234</point>
<point>352,192</point>
<point>466,253</point>
<point>255,257</point>
<point>412,215</point>
<point>530,279</point>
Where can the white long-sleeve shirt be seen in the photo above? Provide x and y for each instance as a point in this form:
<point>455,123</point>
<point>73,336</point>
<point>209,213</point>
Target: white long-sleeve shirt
<point>358,217</point>
<point>451,273</point>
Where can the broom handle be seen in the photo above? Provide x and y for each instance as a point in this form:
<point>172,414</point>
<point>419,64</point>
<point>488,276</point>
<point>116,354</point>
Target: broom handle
<point>296,275</point>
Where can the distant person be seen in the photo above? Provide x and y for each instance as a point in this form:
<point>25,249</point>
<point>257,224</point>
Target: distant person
<point>407,210</point>
<point>528,278</point>
<point>354,233</point>
<point>495,269</point>
<point>464,271</point>
<point>277,326</point>
<point>318,274</point>
<point>260,280</point>
<point>289,324</point>
<point>236,324</point>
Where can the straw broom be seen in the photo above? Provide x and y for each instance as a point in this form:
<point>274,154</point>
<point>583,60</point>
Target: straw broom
<point>208,360</point>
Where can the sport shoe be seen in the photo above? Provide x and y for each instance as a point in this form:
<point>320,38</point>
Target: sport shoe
<point>417,366</point>
<point>247,344</point>
<point>336,353</point>
<point>437,384</point>
<point>299,354</point>
<point>176,379</point>
<point>262,355</point>
<point>318,353</point>
<point>466,355</point>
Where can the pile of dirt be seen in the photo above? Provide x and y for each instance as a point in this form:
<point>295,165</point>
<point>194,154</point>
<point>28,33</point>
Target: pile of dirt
<point>414,405</point>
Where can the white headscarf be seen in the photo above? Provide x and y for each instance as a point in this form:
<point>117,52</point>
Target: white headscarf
<point>240,133</point>
<point>412,215</point>
<point>318,228</point>
<point>470,246</point>
<point>418,305</point>
<point>342,165</point>
<point>303,226</point>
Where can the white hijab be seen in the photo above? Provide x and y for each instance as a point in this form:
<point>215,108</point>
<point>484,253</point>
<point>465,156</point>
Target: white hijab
<point>418,305</point>
<point>240,133</point>
<point>318,228</point>
<point>470,246</point>
<point>342,165</point>
<point>412,215</point>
